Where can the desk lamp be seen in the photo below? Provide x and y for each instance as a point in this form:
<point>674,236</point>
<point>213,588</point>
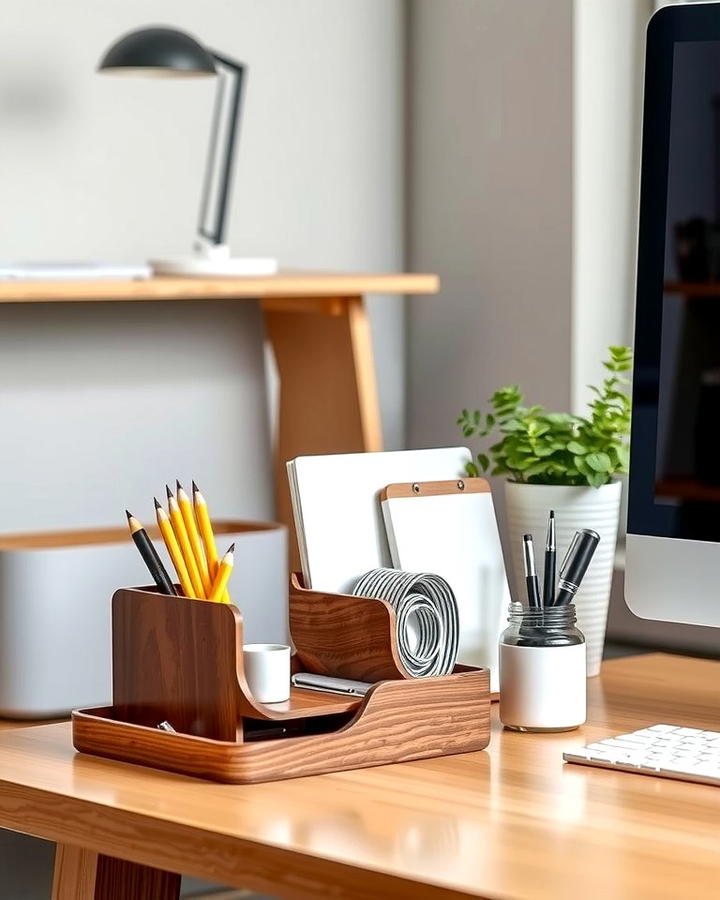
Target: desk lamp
<point>167,52</point>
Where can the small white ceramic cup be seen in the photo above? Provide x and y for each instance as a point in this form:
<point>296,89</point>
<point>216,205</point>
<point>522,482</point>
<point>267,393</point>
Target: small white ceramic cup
<point>267,671</point>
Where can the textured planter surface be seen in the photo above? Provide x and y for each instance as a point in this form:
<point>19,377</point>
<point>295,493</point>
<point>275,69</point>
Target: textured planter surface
<point>575,508</point>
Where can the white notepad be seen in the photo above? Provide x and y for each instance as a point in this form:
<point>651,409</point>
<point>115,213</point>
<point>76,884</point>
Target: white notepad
<point>336,504</point>
<point>452,532</point>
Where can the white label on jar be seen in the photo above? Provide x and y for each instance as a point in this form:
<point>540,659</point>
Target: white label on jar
<point>543,687</point>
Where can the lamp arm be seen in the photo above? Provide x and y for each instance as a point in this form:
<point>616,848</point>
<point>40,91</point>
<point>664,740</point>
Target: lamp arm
<point>220,161</point>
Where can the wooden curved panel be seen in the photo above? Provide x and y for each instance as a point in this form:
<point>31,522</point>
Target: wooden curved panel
<point>344,636</point>
<point>180,660</point>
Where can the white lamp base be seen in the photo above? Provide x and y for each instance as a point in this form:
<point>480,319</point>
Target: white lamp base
<point>213,261</point>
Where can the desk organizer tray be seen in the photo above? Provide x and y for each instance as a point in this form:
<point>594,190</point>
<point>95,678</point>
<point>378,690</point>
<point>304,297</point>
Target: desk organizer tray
<point>180,660</point>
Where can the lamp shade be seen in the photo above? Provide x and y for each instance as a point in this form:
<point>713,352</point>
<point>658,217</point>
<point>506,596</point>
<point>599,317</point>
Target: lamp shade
<point>158,51</point>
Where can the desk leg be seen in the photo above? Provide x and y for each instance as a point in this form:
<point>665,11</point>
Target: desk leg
<point>74,875</point>
<point>84,875</point>
<point>328,390</point>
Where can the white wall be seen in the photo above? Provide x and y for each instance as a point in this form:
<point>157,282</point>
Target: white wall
<point>490,193</point>
<point>607,121</point>
<point>524,138</point>
<point>101,403</point>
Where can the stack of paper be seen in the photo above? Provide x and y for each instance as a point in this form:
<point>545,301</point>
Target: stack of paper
<point>338,519</point>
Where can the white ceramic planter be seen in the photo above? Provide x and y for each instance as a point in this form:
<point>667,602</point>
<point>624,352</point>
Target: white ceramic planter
<point>527,508</point>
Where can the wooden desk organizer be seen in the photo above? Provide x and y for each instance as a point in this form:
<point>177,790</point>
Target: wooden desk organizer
<point>181,660</point>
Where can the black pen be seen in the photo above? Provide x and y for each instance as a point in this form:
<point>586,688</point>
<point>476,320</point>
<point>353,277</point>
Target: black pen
<point>531,579</point>
<point>575,565</point>
<point>550,556</point>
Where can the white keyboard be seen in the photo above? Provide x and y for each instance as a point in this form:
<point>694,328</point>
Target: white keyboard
<point>667,751</point>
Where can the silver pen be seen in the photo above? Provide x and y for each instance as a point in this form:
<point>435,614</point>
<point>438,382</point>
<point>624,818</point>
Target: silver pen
<point>531,579</point>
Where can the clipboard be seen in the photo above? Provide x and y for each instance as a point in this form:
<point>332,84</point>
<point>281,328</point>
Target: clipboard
<point>449,528</point>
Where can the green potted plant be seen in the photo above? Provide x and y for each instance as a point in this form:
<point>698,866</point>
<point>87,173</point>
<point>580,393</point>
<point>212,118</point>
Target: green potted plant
<point>567,463</point>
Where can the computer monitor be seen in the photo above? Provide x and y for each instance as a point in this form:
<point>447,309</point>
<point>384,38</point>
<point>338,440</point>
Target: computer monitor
<point>673,542</point>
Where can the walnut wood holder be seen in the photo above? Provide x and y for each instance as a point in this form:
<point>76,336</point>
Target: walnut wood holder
<point>181,660</point>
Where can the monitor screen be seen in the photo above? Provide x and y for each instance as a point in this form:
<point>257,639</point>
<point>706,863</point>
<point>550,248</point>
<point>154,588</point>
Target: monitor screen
<point>687,463</point>
<point>676,424</point>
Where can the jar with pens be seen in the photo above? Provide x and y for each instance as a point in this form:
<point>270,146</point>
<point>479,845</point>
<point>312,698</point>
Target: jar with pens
<point>542,651</point>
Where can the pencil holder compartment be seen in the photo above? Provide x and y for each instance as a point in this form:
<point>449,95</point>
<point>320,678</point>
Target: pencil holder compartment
<point>180,661</point>
<point>543,678</point>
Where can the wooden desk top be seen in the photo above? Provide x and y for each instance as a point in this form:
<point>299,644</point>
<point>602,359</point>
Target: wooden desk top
<point>510,822</point>
<point>282,285</point>
<point>14,724</point>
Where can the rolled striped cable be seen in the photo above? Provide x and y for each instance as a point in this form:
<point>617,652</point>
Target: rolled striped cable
<point>426,614</point>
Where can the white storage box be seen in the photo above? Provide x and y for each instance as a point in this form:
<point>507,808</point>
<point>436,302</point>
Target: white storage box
<point>55,599</point>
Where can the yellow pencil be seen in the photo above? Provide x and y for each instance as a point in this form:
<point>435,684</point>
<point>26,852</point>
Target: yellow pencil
<point>221,579</point>
<point>182,538</point>
<point>173,548</point>
<point>203,519</point>
<point>186,510</point>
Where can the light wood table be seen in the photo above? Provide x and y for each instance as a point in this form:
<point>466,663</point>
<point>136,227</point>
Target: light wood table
<point>509,822</point>
<point>317,325</point>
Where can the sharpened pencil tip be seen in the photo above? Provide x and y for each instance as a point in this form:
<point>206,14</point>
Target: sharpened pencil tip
<point>157,504</point>
<point>196,489</point>
<point>552,513</point>
<point>178,486</point>
<point>128,514</point>
<point>231,548</point>
<point>168,492</point>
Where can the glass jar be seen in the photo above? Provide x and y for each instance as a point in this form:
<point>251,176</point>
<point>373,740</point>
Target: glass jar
<point>542,670</point>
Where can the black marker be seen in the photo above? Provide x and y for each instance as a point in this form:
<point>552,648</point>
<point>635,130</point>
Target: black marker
<point>531,579</point>
<point>550,557</point>
<point>575,565</point>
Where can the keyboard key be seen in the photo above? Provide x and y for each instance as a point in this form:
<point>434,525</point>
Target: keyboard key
<point>622,744</point>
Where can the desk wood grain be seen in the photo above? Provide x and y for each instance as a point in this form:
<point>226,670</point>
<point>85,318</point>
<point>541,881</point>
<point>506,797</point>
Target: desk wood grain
<point>510,822</point>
